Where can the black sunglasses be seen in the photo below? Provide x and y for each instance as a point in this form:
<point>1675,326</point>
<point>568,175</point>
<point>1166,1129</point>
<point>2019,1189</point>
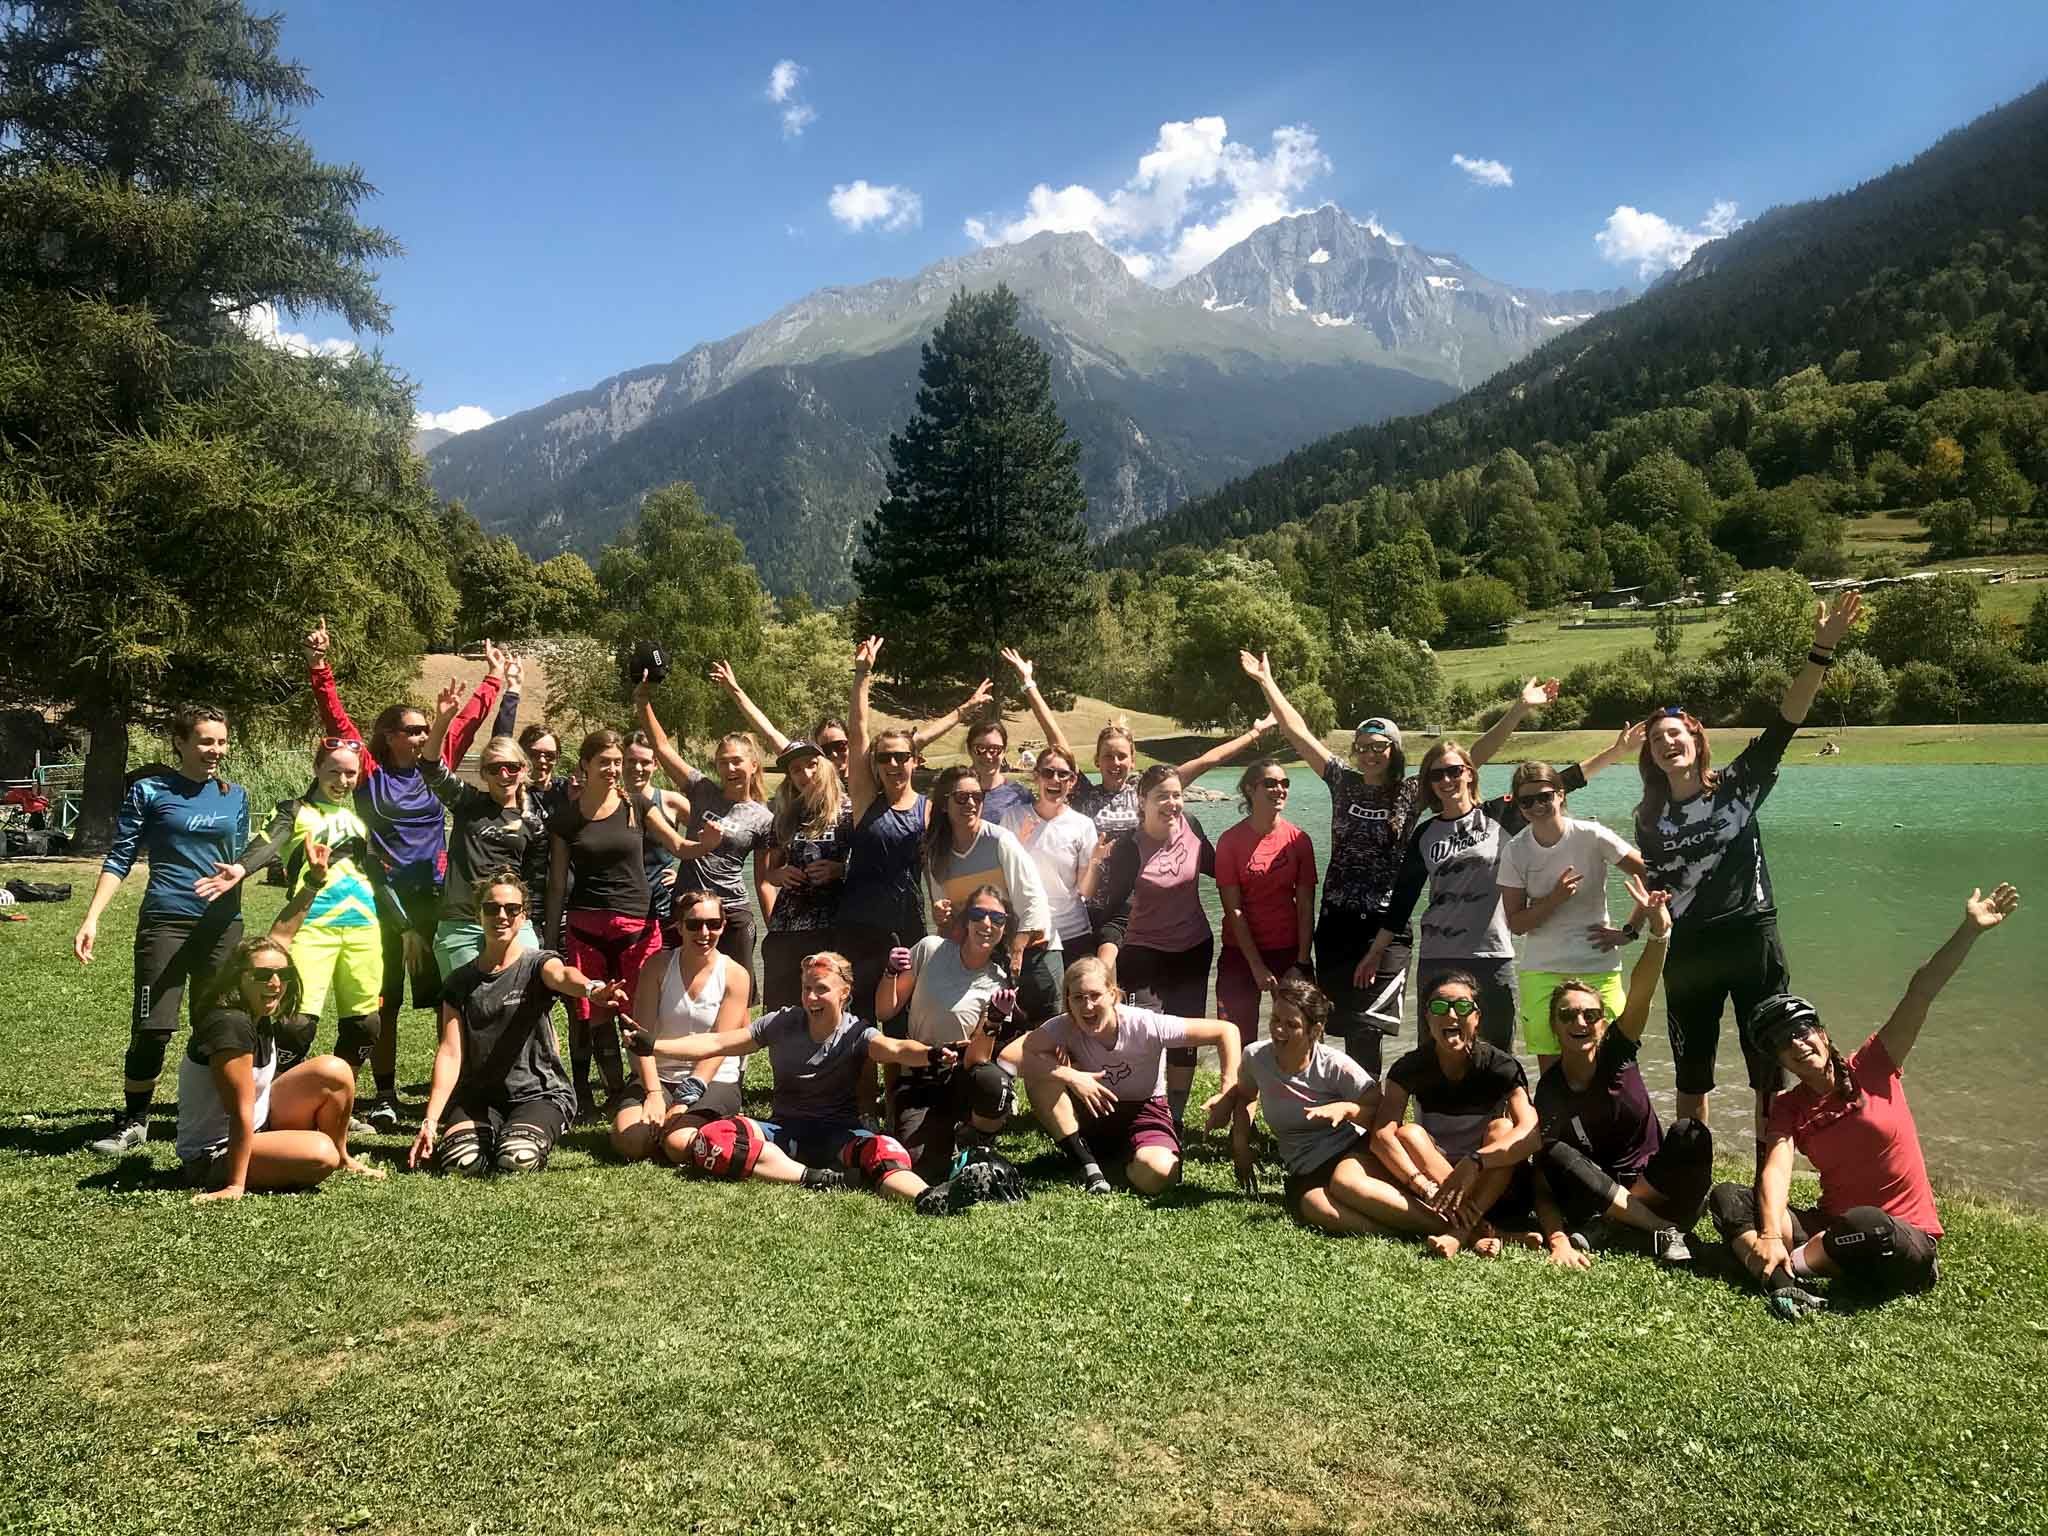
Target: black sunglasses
<point>894,759</point>
<point>967,797</point>
<point>1581,1015</point>
<point>987,915</point>
<point>1532,800</point>
<point>501,908</point>
<point>703,924</point>
<point>1272,783</point>
<point>1445,772</point>
<point>836,748</point>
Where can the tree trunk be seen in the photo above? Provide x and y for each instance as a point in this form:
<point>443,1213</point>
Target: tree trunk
<point>106,776</point>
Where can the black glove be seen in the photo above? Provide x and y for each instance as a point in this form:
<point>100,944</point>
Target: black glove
<point>688,1091</point>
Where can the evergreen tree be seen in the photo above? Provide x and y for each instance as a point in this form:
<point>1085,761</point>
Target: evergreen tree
<point>178,500</point>
<point>979,543</point>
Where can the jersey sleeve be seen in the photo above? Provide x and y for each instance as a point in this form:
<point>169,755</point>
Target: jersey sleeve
<point>1407,885</point>
<point>223,1032</point>
<point>463,728</point>
<point>266,850</point>
<point>1757,763</point>
<point>333,716</point>
<point>507,722</point>
<point>128,825</point>
<point>1020,872</point>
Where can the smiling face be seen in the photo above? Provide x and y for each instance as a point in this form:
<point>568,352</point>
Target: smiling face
<point>983,922</point>
<point>639,769</point>
<point>501,912</point>
<point>1453,1029</point>
<point>1291,1031</point>
<point>1164,808</point>
<point>963,809</point>
<point>1451,782</point>
<point>1808,1057</point>
<point>833,741</point>
<point>340,771</point>
<point>263,982</point>
<point>201,753</point>
<point>1092,1000</point>
<point>503,772</point>
<point>702,923</point>
<point>986,748</point>
<point>807,773</point>
<point>1671,745</point>
<point>1579,1021</point>
<point>606,766</point>
<point>407,738</point>
<point>825,993</point>
<point>1269,791</point>
<point>1053,776</point>
<point>735,768</point>
<point>1370,755</point>
<point>542,756</point>
<point>1113,759</point>
<point>1540,804</point>
<point>894,760</point>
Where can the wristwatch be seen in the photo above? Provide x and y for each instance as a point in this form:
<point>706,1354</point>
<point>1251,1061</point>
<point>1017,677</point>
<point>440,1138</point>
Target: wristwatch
<point>1628,932</point>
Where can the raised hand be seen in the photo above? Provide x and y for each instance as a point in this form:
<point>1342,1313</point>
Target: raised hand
<point>1538,692</point>
<point>449,699</point>
<point>1023,668</point>
<point>515,673</point>
<point>1265,723</point>
<point>865,653</point>
<point>979,697</point>
<point>898,963</point>
<point>1990,911</point>
<point>721,674</point>
<point>1831,623</point>
<point>317,642</point>
<point>495,660</point>
<point>1257,668</point>
<point>1659,905</point>
<point>1630,738</point>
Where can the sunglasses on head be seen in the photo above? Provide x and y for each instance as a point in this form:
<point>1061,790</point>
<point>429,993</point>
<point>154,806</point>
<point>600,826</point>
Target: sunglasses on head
<point>1463,1007</point>
<point>1671,712</point>
<point>894,759</point>
<point>1443,773</point>
<point>1587,1015</point>
<point>337,743</point>
<point>987,915</point>
<point>1535,798</point>
<point>704,924</point>
<point>501,908</point>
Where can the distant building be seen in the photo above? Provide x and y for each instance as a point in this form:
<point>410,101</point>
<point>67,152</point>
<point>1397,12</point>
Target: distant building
<point>1619,597</point>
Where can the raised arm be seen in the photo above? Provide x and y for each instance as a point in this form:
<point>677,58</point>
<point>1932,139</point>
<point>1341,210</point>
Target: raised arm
<point>1981,914</point>
<point>1303,740</point>
<point>861,787</point>
<point>1627,742</point>
<point>285,926</point>
<point>1653,907</point>
<point>680,773</point>
<point>326,697</point>
<point>1223,752</point>
<point>1040,710</point>
<point>1830,624</point>
<point>932,730</point>
<point>469,718</point>
<point>722,674</point>
<point>446,703</point>
<point>507,723</point>
<point>1534,695</point>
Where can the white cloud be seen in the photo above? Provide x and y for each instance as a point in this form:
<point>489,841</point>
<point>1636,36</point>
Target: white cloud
<point>783,81</point>
<point>1654,243</point>
<point>463,418</point>
<point>796,117</point>
<point>1193,196</point>
<point>1485,173</point>
<point>858,204</point>
<point>262,323</point>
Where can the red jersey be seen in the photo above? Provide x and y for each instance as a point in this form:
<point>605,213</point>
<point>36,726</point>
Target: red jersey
<point>1866,1155</point>
<point>1267,871</point>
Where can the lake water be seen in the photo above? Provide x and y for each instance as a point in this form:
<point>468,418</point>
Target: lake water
<point>1870,866</point>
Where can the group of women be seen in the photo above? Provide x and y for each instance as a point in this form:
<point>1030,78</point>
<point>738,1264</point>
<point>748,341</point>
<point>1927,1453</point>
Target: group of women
<point>926,955</point>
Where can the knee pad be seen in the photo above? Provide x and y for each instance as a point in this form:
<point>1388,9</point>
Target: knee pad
<point>354,1036</point>
<point>1691,1141</point>
<point>1864,1236</point>
<point>462,1150</point>
<point>1733,1207</point>
<point>874,1158</point>
<point>728,1148</point>
<point>522,1149</point>
<point>990,1092</point>
<point>295,1040</point>
<point>144,1062</point>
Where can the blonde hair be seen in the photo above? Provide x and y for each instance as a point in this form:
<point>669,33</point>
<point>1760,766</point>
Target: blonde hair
<point>757,786</point>
<point>815,810</point>
<point>828,960</point>
<point>1089,965</point>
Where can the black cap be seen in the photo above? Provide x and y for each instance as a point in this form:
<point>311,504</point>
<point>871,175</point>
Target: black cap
<point>1780,1019</point>
<point>646,660</point>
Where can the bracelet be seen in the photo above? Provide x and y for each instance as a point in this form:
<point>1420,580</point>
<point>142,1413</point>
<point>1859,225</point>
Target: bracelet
<point>1820,658</point>
<point>862,668</point>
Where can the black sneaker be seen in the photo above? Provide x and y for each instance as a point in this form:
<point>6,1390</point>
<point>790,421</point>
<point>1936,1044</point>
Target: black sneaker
<point>382,1117</point>
<point>1793,1304</point>
<point>128,1135</point>
<point>824,1178</point>
<point>1097,1183</point>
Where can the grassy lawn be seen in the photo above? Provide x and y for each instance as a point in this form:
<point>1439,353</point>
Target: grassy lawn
<point>1543,647</point>
<point>607,1349</point>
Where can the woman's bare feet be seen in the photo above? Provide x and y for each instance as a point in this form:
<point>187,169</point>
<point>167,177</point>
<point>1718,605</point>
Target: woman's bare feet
<point>1441,1246</point>
<point>361,1169</point>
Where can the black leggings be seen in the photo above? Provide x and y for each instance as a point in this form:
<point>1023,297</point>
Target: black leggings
<point>1179,979</point>
<point>1681,1171</point>
<point>1880,1256</point>
<point>489,1139</point>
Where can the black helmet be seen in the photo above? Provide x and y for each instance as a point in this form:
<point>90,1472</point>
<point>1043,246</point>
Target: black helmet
<point>1779,1020</point>
<point>646,660</point>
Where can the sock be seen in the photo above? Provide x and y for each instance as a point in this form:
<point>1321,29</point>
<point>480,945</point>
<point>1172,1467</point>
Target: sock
<point>387,1083</point>
<point>1800,1267</point>
<point>1177,1101</point>
<point>137,1101</point>
<point>1076,1146</point>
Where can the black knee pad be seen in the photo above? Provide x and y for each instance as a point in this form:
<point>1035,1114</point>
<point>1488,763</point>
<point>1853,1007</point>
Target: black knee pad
<point>463,1150</point>
<point>294,1038</point>
<point>144,1062</point>
<point>990,1092</point>
<point>354,1035</point>
<point>1865,1236</point>
<point>1733,1207</point>
<point>522,1149</point>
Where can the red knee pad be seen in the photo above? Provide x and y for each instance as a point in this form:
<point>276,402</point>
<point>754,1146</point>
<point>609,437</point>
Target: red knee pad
<point>727,1149</point>
<point>874,1158</point>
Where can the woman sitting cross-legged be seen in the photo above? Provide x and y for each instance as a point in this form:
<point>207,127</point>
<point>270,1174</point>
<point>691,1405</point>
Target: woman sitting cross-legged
<point>694,989</point>
<point>242,1124</point>
<point>499,1082</point>
<point>1876,1230</point>
<point>1096,1075</point>
<point>1606,1160</point>
<point>817,1052</point>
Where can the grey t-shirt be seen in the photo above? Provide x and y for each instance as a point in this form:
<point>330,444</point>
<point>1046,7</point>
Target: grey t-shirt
<point>947,998</point>
<point>814,1082</point>
<point>1285,1099</point>
<point>746,825</point>
<point>509,1055</point>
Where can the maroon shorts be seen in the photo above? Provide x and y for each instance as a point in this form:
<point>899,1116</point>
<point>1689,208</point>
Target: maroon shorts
<point>1117,1136</point>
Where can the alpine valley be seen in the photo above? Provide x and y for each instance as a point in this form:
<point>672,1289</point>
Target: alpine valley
<point>1312,324</point>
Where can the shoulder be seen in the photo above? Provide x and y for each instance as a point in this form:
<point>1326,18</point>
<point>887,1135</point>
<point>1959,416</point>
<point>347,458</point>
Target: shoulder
<point>1411,1068</point>
<point>223,1030</point>
<point>1872,1061</point>
<point>926,947</point>
<point>769,1025</point>
<point>1340,1066</point>
<point>1496,1062</point>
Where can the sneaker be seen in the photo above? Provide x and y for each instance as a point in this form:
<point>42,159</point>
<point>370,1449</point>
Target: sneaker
<point>358,1126</point>
<point>1793,1304</point>
<point>128,1135</point>
<point>382,1117</point>
<point>1668,1246</point>
<point>1593,1235</point>
<point>972,1185</point>
<point>1580,1241</point>
<point>1096,1183</point>
<point>825,1178</point>
<point>586,1102</point>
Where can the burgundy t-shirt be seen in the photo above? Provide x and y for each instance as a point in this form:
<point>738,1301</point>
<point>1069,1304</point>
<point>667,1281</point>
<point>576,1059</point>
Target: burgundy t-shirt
<point>1609,1120</point>
<point>1868,1154</point>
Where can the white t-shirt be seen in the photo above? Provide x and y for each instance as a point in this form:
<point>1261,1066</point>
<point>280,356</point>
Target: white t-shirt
<point>683,1013</point>
<point>996,858</point>
<point>1061,849</point>
<point>202,1117</point>
<point>1560,944</point>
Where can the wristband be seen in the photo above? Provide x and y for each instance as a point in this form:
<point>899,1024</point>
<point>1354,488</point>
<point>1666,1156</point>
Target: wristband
<point>1628,931</point>
<point>591,988</point>
<point>1820,658</point>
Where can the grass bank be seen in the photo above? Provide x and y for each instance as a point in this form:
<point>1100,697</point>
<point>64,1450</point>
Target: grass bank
<point>602,1348</point>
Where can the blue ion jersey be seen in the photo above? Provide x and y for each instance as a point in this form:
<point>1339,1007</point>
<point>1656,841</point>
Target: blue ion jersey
<point>185,827</point>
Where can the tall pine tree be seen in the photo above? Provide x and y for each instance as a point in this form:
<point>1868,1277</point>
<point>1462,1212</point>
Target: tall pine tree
<point>979,543</point>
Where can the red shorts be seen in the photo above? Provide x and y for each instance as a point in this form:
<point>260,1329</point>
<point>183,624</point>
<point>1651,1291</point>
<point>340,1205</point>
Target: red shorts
<point>1133,1124</point>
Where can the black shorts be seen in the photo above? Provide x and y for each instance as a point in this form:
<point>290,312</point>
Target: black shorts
<point>1342,938</point>
<point>1299,1186</point>
<point>736,943</point>
<point>1178,978</point>
<point>419,914</point>
<point>1040,984</point>
<point>174,955</point>
<point>544,1117</point>
<point>1708,967</point>
<point>868,948</point>
<point>1880,1255</point>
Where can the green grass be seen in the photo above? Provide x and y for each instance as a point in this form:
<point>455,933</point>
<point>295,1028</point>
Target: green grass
<point>1545,647</point>
<point>607,1349</point>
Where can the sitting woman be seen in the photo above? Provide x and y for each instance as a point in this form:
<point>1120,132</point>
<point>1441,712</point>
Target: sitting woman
<point>950,992</point>
<point>1605,1158</point>
<point>1464,1160</point>
<point>817,1052</point>
<point>1318,1102</point>
<point>1875,1229</point>
<point>1097,1079</point>
<point>694,989</point>
<point>243,1124</point>
<point>498,1077</point>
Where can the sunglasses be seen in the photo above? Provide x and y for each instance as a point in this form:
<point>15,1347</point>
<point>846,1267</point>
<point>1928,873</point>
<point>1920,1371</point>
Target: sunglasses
<point>1463,1007</point>
<point>1670,712</point>
<point>836,748</point>
<point>894,759</point>
<point>1372,744</point>
<point>703,924</point>
<point>987,915</point>
<point>967,797</point>
<point>543,754</point>
<point>269,972</point>
<point>413,730</point>
<point>501,908</point>
<point>1581,1015</point>
<point>1272,783</point>
<point>337,743</point>
<point>988,749</point>
<point>1443,773</point>
<point>510,770</point>
<point>1535,798</point>
<point>1056,775</point>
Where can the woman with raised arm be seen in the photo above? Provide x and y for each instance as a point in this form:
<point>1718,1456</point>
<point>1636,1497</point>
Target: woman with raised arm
<point>1607,1160</point>
<point>1698,831</point>
<point>806,861</point>
<point>597,896</point>
<point>829,735</point>
<point>818,1053</point>
<point>1553,894</point>
<point>408,842</point>
<point>1060,841</point>
<point>1876,1230</point>
<point>1096,1075</point>
<point>499,1099</point>
<point>193,824</point>
<point>688,989</point>
<point>663,868</point>
<point>1457,854</point>
<point>962,850</point>
<point>1266,875</point>
<point>737,800</point>
<point>501,827</point>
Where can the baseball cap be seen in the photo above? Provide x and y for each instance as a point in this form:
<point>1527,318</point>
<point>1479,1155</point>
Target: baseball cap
<point>795,753</point>
<point>1379,725</point>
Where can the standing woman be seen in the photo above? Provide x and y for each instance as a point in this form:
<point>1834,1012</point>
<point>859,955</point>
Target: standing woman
<point>1060,841</point>
<point>737,799</point>
<point>1266,875</point>
<point>501,828</point>
<point>962,851</point>
<point>1698,831</point>
<point>597,897</point>
<point>662,868</point>
<point>408,843</point>
<point>543,749</point>
<point>498,1080</point>
<point>830,735</point>
<point>1165,946</point>
<point>806,862</point>
<point>688,989</point>
<point>193,824</point>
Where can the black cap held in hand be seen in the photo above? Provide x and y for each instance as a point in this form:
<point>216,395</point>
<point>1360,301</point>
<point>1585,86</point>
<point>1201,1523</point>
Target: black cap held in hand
<point>647,661</point>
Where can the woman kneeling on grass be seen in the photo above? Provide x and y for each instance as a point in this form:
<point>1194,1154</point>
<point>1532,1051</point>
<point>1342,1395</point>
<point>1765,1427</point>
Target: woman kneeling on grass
<point>817,1052</point>
<point>1606,1160</point>
<point>242,1124</point>
<point>693,989</point>
<point>498,1075</point>
<point>1875,1229</point>
<point>1096,1075</point>
<point>1317,1101</point>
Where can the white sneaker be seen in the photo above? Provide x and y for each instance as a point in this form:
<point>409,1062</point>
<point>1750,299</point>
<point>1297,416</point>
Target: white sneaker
<point>1668,1246</point>
<point>128,1135</point>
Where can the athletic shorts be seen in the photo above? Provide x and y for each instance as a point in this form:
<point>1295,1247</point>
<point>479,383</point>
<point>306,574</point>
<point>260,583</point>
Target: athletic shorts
<point>736,943</point>
<point>206,1170</point>
<point>346,962</point>
<point>1498,998</point>
<point>817,1143</point>
<point>456,943</point>
<point>1741,963</point>
<point>1536,989</point>
<point>1040,984</point>
<point>1134,1124</point>
<point>719,1101</point>
<point>1179,979</point>
<point>1238,997</point>
<point>544,1117</point>
<point>1299,1186</point>
<point>1880,1255</point>
<point>1342,938</point>
<point>418,918</point>
<point>932,1106</point>
<point>174,954</point>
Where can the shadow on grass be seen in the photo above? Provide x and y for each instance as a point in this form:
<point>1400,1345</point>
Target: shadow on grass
<point>135,1174</point>
<point>61,1132</point>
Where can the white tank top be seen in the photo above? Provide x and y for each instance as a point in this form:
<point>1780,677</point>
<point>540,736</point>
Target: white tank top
<point>682,1014</point>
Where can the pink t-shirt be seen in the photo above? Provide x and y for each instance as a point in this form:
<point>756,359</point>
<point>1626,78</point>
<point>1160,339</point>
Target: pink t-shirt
<point>1134,1063</point>
<point>1166,903</point>
<point>1267,871</point>
<point>1869,1155</point>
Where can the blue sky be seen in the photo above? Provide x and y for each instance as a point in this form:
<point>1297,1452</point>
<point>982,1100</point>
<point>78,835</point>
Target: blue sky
<point>585,189</point>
